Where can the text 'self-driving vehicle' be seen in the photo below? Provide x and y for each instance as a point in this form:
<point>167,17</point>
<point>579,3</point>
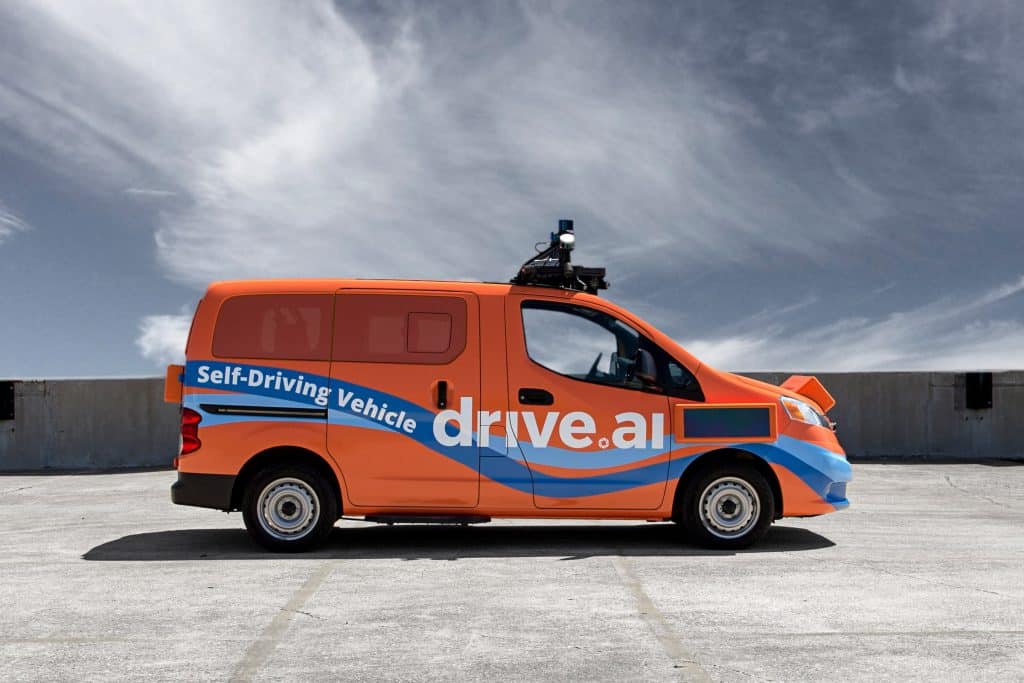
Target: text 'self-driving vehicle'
<point>415,401</point>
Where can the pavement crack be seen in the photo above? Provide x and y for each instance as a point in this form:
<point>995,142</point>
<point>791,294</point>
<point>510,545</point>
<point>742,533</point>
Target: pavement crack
<point>682,659</point>
<point>261,649</point>
<point>299,611</point>
<point>973,494</point>
<point>22,488</point>
<point>926,580</point>
<point>741,672</point>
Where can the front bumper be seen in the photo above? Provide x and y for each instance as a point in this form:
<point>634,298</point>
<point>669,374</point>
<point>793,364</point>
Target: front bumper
<point>813,479</point>
<point>203,490</point>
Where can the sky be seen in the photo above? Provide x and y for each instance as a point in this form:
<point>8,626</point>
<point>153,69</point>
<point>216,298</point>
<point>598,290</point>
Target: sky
<point>812,186</point>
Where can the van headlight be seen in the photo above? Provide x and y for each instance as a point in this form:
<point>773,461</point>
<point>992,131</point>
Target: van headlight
<point>804,412</point>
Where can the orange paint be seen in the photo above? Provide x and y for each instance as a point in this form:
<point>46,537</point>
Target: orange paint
<point>445,398</point>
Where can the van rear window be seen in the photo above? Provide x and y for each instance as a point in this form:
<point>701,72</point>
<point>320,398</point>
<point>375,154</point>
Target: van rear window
<point>397,328</point>
<point>277,326</point>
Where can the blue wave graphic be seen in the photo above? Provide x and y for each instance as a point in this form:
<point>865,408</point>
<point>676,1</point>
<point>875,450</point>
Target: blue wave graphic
<point>502,465</point>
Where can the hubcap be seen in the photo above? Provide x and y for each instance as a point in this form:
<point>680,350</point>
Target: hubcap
<point>288,509</point>
<point>729,507</point>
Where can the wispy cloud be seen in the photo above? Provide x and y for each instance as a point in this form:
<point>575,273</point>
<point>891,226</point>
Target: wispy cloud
<point>436,141</point>
<point>854,102</point>
<point>10,224</point>
<point>298,143</point>
<point>162,338</point>
<point>913,83</point>
<point>148,192</point>
<point>950,332</point>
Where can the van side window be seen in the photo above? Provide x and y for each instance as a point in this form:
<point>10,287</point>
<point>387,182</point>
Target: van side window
<point>581,343</point>
<point>398,328</point>
<point>593,346</point>
<point>274,326</point>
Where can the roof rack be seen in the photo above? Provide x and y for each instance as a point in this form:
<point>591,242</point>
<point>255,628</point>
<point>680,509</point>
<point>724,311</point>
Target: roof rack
<point>553,267</point>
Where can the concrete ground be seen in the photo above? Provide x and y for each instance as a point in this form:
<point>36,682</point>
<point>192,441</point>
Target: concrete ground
<point>101,577</point>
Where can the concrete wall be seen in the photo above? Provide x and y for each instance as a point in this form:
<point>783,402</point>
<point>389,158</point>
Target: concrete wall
<point>89,424</point>
<point>100,424</point>
<point>909,414</point>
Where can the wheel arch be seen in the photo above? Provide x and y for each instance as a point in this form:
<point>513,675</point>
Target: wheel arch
<point>292,455</point>
<point>719,456</point>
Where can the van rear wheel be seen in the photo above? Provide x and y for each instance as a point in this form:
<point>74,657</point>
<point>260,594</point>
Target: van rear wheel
<point>727,506</point>
<point>289,508</point>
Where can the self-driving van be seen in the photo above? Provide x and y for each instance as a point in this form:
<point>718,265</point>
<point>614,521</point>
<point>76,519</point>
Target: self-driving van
<point>454,402</point>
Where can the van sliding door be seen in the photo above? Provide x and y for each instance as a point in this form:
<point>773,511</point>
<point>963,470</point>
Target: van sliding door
<point>398,359</point>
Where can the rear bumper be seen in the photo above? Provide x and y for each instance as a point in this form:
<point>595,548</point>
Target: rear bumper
<point>203,490</point>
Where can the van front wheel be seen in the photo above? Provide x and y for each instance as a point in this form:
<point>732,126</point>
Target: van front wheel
<point>727,506</point>
<point>289,508</point>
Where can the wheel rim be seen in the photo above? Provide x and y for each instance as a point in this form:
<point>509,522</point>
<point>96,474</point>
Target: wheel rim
<point>729,507</point>
<point>288,509</point>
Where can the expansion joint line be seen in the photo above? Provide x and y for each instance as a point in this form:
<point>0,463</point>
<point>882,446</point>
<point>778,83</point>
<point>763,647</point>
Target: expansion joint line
<point>261,649</point>
<point>684,661</point>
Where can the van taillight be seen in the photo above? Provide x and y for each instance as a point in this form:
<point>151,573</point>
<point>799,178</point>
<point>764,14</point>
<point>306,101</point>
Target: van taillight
<point>190,420</point>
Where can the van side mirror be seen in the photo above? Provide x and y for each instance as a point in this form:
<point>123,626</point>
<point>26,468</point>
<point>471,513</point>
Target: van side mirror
<point>646,371</point>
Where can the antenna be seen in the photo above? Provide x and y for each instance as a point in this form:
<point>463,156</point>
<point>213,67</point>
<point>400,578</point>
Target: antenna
<point>553,266</point>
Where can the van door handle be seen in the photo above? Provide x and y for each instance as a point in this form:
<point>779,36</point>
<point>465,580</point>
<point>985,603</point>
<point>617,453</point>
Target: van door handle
<point>535,397</point>
<point>442,394</point>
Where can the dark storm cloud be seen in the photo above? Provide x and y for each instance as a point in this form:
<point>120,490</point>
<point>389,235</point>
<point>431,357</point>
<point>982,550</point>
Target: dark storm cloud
<point>830,186</point>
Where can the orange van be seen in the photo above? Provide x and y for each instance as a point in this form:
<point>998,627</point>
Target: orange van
<point>416,401</point>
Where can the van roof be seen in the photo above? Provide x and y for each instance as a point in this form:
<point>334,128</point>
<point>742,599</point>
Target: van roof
<point>226,288</point>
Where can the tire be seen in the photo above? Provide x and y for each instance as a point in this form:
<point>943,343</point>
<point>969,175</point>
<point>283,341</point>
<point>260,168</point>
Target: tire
<point>289,508</point>
<point>727,506</point>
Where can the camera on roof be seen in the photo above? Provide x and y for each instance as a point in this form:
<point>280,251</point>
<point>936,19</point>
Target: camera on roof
<point>553,266</point>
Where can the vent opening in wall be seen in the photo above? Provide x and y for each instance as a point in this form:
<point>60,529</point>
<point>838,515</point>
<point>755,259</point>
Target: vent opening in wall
<point>6,400</point>
<point>978,390</point>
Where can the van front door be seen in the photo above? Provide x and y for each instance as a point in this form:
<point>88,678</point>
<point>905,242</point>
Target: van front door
<point>594,434</point>
<point>398,359</point>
